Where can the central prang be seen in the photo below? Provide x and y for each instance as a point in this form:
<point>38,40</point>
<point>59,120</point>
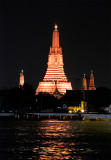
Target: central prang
<point>55,80</point>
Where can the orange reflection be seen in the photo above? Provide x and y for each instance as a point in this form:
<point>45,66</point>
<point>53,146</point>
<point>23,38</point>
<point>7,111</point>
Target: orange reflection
<point>54,140</point>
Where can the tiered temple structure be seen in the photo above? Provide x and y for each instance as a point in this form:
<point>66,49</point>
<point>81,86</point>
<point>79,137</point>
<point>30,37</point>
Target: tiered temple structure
<point>55,81</point>
<point>91,83</point>
<point>21,80</point>
<point>84,82</point>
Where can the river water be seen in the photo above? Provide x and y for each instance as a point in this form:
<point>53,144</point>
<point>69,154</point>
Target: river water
<point>55,140</point>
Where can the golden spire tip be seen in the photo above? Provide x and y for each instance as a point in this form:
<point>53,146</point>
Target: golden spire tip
<point>55,26</point>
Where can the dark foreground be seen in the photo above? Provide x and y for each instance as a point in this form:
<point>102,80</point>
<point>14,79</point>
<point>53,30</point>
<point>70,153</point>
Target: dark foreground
<point>55,140</point>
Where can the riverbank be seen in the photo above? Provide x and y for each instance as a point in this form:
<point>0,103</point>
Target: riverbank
<point>62,116</point>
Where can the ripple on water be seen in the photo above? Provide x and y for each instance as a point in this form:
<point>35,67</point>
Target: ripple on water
<point>55,140</point>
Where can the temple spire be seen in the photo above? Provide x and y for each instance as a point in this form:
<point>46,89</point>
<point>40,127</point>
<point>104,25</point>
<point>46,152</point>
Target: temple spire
<point>55,81</point>
<point>91,83</point>
<point>84,82</point>
<point>21,80</point>
<point>55,37</point>
<point>55,27</point>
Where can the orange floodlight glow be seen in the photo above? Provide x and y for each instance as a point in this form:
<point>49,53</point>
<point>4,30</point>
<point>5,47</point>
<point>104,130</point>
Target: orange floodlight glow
<point>55,78</point>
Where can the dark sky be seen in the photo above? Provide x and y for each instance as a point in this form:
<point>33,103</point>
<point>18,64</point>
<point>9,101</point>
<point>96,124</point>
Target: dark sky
<point>26,33</point>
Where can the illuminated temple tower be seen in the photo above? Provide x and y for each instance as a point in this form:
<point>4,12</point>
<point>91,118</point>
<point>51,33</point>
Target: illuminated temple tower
<point>21,80</point>
<point>55,80</point>
<point>91,83</point>
<point>84,82</point>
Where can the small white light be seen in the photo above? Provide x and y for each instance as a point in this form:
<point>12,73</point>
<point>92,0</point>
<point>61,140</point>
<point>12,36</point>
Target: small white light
<point>82,110</point>
<point>55,26</point>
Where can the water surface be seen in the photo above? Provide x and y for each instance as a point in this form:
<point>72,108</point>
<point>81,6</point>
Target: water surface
<point>55,140</point>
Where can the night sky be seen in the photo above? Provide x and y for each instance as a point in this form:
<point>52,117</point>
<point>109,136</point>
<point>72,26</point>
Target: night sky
<point>26,32</point>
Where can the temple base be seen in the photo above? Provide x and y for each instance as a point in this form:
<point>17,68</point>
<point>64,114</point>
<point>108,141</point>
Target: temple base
<point>53,87</point>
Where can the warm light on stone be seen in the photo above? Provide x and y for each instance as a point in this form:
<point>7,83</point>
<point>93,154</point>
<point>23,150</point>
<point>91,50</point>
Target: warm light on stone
<point>55,26</point>
<point>55,78</point>
<point>84,82</point>
<point>91,83</point>
<point>21,81</point>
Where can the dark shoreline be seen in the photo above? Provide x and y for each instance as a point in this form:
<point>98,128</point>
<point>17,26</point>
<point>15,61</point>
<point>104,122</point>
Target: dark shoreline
<point>59,116</point>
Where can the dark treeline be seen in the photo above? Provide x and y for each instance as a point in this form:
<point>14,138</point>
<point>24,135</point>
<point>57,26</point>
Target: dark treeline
<point>23,99</point>
<point>97,100</point>
<point>18,99</point>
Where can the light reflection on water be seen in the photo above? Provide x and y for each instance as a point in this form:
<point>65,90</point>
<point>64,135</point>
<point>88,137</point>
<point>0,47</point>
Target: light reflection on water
<point>55,140</point>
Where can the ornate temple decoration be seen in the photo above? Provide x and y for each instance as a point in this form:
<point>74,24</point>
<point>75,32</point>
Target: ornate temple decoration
<point>55,81</point>
<point>91,83</point>
<point>21,80</point>
<point>84,82</point>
